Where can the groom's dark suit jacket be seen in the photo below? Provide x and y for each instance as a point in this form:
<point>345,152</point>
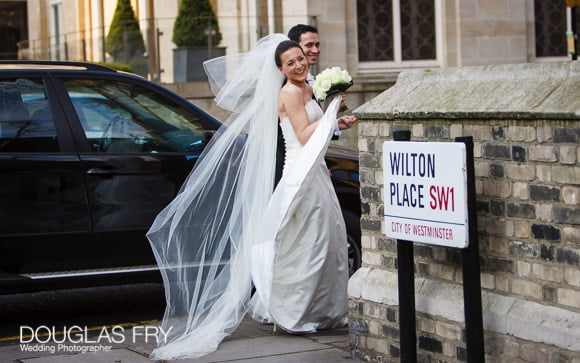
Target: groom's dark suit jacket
<point>280,156</point>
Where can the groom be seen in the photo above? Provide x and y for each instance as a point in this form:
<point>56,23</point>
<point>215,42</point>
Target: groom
<point>307,37</point>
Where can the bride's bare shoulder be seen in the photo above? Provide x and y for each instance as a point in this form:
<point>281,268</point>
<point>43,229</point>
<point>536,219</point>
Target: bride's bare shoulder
<point>291,91</point>
<point>291,96</point>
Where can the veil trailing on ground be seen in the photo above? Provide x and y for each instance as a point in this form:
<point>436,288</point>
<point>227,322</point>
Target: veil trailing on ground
<point>200,239</point>
<point>205,240</point>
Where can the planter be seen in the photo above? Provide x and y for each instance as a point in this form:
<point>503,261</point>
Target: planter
<point>188,62</point>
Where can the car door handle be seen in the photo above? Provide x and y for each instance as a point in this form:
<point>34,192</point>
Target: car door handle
<point>103,171</point>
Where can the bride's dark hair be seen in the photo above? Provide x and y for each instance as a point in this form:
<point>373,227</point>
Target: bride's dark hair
<point>284,46</point>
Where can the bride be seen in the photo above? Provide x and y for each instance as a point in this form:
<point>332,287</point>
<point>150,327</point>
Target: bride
<point>226,231</point>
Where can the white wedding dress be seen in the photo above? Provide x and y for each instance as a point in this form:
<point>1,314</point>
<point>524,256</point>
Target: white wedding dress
<point>310,272</point>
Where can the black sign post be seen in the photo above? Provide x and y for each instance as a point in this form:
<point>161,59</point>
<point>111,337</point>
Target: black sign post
<point>471,276</point>
<point>471,272</point>
<point>406,280</point>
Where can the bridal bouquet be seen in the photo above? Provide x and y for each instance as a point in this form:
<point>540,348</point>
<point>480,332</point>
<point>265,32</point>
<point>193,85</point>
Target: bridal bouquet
<point>331,81</point>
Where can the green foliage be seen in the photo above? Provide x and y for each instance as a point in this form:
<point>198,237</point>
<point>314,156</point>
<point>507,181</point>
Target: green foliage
<point>124,21</point>
<point>118,66</point>
<point>140,66</point>
<point>193,18</point>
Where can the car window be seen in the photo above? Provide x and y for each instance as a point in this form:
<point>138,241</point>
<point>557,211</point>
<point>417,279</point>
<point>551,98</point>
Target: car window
<point>26,122</point>
<point>120,117</point>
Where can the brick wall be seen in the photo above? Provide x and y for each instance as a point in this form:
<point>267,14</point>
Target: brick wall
<point>526,148</point>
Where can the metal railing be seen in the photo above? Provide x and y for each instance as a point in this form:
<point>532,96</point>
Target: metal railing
<point>155,62</point>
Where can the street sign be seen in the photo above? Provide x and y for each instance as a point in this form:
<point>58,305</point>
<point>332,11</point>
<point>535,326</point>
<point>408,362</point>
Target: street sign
<point>425,192</point>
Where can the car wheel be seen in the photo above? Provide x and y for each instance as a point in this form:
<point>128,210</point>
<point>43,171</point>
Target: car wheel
<point>354,255</point>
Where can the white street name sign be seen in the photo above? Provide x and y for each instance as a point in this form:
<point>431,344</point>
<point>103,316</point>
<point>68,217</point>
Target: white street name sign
<point>425,192</point>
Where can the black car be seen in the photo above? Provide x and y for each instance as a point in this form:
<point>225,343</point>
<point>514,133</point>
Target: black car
<point>88,157</point>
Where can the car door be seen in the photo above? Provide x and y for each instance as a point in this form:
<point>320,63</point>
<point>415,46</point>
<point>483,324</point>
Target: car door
<point>44,217</point>
<point>138,144</point>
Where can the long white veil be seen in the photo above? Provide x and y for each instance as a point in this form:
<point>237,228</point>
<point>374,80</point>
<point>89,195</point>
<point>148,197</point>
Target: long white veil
<point>205,240</point>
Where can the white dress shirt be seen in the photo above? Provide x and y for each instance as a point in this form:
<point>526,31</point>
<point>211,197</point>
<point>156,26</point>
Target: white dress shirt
<point>310,79</point>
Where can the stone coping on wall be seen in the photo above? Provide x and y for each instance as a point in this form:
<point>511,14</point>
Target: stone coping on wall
<point>501,314</point>
<point>512,91</point>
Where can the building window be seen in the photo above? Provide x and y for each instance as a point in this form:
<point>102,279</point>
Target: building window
<point>550,23</point>
<point>552,20</point>
<point>396,30</point>
<point>56,41</point>
<point>375,30</point>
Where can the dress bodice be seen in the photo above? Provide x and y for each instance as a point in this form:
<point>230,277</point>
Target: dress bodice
<point>293,145</point>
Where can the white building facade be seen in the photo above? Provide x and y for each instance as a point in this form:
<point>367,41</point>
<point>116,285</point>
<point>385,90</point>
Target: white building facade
<point>373,39</point>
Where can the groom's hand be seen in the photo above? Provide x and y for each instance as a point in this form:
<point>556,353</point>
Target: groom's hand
<point>346,122</point>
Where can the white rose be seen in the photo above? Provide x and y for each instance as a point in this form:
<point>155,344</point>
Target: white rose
<point>325,84</point>
<point>345,77</point>
<point>319,94</point>
<point>321,86</point>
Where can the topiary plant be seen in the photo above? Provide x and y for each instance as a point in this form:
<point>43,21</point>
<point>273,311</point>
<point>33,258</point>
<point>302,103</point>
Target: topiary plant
<point>124,21</point>
<point>193,19</point>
